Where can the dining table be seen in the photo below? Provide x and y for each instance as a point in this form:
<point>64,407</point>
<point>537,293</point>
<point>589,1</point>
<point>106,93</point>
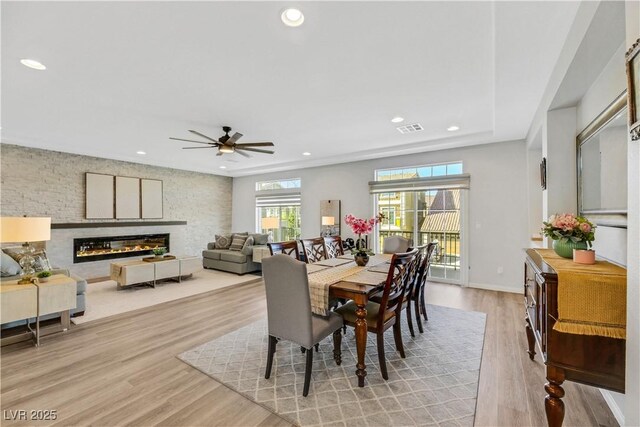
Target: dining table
<point>340,277</point>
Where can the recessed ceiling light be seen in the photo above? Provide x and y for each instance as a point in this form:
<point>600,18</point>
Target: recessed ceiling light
<point>397,119</point>
<point>32,63</point>
<point>292,17</point>
<point>306,153</point>
<point>223,167</point>
<point>453,128</point>
<point>142,153</point>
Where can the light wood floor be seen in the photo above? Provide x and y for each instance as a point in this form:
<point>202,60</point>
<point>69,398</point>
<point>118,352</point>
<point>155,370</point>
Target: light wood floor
<point>123,370</point>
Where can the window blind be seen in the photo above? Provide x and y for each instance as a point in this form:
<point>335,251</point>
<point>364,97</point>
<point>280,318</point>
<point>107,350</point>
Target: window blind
<point>450,182</point>
<point>278,200</point>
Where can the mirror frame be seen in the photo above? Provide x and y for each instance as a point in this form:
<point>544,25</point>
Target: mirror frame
<point>603,216</point>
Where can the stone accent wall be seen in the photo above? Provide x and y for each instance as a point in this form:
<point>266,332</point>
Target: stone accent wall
<point>49,183</point>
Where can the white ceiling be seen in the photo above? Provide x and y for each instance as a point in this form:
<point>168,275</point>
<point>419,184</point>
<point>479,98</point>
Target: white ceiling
<point>125,76</point>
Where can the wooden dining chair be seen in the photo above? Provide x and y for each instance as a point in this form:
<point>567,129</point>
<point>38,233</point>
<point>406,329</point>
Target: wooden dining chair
<point>417,294</point>
<point>333,246</point>
<point>289,315</point>
<point>314,249</point>
<point>287,248</point>
<point>386,314</point>
<point>396,244</point>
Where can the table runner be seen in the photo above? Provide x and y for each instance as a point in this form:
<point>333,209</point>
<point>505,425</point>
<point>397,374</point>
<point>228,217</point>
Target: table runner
<point>592,299</point>
<point>320,281</point>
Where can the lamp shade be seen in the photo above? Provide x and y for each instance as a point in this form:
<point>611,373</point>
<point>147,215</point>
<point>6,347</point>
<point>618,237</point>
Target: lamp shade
<point>328,220</point>
<point>270,223</point>
<point>24,229</point>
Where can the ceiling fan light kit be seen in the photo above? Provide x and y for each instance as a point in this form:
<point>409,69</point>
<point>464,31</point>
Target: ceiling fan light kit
<point>227,144</point>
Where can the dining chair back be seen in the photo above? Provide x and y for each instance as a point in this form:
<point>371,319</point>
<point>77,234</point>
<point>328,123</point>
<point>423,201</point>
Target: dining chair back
<point>289,315</point>
<point>387,313</point>
<point>289,248</point>
<point>396,244</point>
<point>333,246</point>
<point>419,287</point>
<point>314,249</point>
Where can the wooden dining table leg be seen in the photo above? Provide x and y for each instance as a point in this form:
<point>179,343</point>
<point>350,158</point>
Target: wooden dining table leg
<point>361,341</point>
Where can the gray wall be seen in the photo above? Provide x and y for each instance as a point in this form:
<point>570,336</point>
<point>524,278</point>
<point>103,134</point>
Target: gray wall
<point>497,229</point>
<point>50,183</point>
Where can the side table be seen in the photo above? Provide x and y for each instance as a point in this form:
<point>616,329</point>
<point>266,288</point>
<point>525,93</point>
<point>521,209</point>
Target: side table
<point>20,302</point>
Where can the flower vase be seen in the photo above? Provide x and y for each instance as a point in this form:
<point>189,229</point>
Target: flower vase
<point>361,258</point>
<point>565,249</point>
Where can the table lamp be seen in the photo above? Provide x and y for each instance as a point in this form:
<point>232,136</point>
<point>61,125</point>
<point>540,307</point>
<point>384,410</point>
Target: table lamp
<point>270,223</point>
<point>25,230</point>
<point>327,222</point>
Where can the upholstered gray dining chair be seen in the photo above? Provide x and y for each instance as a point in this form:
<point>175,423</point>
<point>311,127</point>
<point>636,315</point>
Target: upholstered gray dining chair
<point>289,312</point>
<point>396,244</point>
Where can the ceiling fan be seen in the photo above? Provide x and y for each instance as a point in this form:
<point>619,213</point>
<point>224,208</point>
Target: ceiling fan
<point>227,144</point>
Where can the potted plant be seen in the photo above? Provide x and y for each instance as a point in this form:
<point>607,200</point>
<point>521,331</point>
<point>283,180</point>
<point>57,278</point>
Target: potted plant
<point>569,232</point>
<point>362,226</point>
<point>43,276</point>
<point>159,252</point>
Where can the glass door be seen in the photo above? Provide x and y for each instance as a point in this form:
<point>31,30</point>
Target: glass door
<point>428,216</point>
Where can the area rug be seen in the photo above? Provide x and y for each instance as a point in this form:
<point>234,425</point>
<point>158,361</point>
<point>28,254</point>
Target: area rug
<point>104,299</point>
<point>436,384</point>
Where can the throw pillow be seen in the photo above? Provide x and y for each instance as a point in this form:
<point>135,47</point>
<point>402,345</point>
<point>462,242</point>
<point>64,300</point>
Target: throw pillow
<point>41,261</point>
<point>223,241</point>
<point>260,239</point>
<point>247,248</point>
<point>238,242</point>
<point>9,266</point>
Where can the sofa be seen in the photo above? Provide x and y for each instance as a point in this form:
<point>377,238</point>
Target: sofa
<point>219,256</point>
<point>81,296</point>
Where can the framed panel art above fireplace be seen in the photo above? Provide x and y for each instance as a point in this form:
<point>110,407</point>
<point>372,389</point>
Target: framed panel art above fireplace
<point>89,249</point>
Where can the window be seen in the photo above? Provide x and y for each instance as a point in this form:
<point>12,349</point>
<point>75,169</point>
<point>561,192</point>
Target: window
<point>279,216</point>
<point>419,171</point>
<point>429,207</point>
<point>278,184</point>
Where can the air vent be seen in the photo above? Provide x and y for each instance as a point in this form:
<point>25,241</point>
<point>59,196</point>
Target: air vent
<point>416,127</point>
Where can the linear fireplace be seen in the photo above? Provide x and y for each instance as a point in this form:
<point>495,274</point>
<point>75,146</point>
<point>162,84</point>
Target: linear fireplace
<point>100,248</point>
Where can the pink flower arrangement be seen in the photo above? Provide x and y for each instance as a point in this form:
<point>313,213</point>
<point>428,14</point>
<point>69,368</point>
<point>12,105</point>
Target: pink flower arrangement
<point>567,227</point>
<point>362,226</point>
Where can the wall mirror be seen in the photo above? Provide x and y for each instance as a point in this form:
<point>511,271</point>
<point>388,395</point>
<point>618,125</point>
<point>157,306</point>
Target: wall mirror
<point>602,166</point>
<point>330,217</point>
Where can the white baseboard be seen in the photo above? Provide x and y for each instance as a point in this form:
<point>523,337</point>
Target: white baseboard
<point>499,288</point>
<point>613,405</point>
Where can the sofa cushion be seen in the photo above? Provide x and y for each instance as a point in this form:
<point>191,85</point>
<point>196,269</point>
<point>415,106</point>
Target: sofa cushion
<point>9,266</point>
<point>223,241</point>
<point>238,242</point>
<point>213,253</point>
<point>233,256</point>
<point>260,238</point>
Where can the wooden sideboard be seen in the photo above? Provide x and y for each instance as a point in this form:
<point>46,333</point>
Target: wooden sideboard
<point>588,359</point>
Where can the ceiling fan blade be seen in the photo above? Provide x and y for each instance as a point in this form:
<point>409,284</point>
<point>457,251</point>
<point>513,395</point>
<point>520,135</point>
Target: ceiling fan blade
<point>257,150</point>
<point>256,144</point>
<point>236,136</point>
<point>241,153</point>
<point>204,136</point>
<point>194,148</point>
<point>220,153</point>
<point>191,140</point>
